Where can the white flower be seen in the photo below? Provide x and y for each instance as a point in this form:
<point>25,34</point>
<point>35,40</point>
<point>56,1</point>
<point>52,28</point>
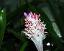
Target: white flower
<point>34,27</point>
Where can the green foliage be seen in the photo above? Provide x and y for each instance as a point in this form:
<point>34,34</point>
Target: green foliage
<point>2,24</point>
<point>25,44</point>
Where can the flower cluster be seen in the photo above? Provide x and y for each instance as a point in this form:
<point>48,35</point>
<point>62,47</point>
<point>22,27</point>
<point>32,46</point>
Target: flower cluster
<point>35,29</point>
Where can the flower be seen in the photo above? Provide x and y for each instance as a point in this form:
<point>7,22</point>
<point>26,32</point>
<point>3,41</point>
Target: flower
<point>35,29</point>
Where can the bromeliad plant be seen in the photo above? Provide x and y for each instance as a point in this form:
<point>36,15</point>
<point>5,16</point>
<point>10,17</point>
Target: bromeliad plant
<point>35,29</point>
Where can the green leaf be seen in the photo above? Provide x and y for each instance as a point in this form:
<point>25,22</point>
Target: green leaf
<point>23,47</point>
<point>2,24</point>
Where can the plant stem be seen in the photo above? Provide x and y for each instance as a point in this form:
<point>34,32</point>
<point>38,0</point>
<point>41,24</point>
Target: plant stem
<point>39,45</point>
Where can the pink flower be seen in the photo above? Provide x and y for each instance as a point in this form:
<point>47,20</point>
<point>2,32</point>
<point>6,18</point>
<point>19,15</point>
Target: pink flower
<point>35,29</point>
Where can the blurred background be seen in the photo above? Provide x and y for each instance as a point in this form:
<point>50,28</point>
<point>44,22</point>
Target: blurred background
<point>12,24</point>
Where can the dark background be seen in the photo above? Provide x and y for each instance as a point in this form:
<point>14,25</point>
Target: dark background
<point>14,40</point>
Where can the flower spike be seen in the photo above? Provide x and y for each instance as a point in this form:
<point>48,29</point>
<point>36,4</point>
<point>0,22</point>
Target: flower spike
<point>35,29</point>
